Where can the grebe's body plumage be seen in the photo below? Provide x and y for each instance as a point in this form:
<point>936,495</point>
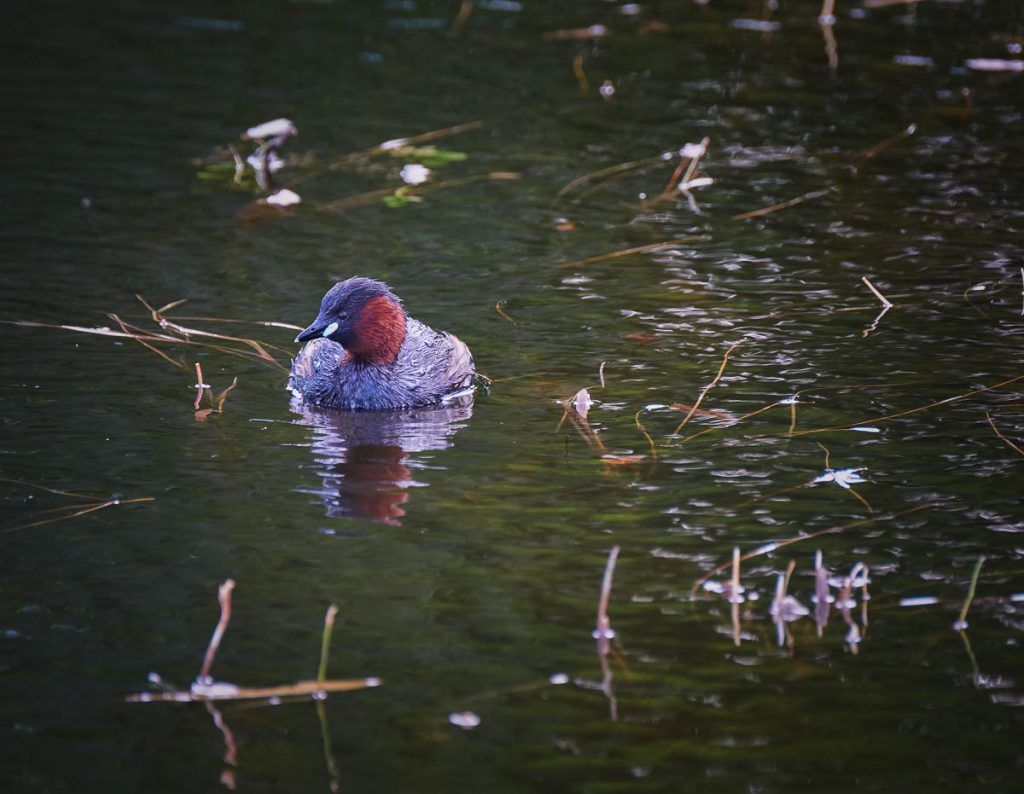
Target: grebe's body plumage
<point>365,354</point>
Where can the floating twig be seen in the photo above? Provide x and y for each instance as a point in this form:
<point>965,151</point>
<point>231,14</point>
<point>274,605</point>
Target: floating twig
<point>878,148</point>
<point>640,249</point>
<point>398,143</point>
<point>743,216</point>
<point>80,509</point>
<point>613,172</point>
<point>167,324</point>
<point>709,387</point>
<point>909,411</point>
<point>499,310</point>
<point>413,191</point>
<point>143,342</point>
<point>1005,440</point>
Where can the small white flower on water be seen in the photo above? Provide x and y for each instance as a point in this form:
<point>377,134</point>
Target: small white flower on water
<point>272,129</point>
<point>693,150</point>
<point>464,719</point>
<point>844,478</point>
<point>702,181</point>
<point>559,678</point>
<point>414,174</point>
<point>284,198</point>
<point>607,89</point>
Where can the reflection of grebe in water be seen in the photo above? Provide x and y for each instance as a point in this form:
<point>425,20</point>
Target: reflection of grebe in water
<point>367,459</point>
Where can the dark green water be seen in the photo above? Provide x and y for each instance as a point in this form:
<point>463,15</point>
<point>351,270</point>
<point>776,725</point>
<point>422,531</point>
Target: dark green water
<point>465,552</point>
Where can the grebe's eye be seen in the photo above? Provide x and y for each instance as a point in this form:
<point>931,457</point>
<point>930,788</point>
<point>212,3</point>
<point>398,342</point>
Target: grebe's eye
<point>342,315</point>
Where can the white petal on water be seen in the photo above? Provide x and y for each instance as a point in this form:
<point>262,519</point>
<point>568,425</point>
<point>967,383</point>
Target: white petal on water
<point>755,24</point>
<point>559,678</point>
<point>918,601</point>
<point>414,174</point>
<point>994,65</point>
<point>913,60</point>
<point>703,181</point>
<point>284,198</point>
<point>693,150</point>
<point>271,129</point>
<point>866,429</point>
<point>466,720</point>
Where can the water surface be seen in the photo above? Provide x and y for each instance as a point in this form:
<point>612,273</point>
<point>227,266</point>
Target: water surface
<point>465,548</point>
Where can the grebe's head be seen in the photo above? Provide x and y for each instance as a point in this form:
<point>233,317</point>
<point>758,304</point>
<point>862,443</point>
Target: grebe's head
<point>363,316</point>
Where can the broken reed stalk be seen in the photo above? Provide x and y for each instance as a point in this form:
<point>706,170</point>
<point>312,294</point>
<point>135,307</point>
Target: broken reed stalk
<point>603,629</point>
<point>734,589</point>
<point>224,599</point>
<point>885,301</point>
<point>909,411</point>
<point>144,343</point>
<point>461,18</point>
<point>166,324</point>
<point>743,216</point>
<point>264,323</point>
<point>302,689</point>
<point>642,429</point>
<point>768,548</point>
<point>499,310</point>
<point>961,622</point>
<point>398,143</point>
<point>614,171</point>
<point>325,643</point>
<point>579,72</point>
<point>1007,441</point>
<point>640,249</point>
<point>683,173</point>
<point>45,488</point>
<point>878,148</point>
<point>706,389</point>
<point>91,508</point>
<point>200,386</point>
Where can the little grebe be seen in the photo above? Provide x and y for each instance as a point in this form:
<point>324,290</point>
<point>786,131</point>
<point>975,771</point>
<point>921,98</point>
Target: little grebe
<point>365,354</point>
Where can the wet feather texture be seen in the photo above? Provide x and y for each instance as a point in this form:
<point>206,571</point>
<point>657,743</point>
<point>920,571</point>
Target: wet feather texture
<point>363,353</point>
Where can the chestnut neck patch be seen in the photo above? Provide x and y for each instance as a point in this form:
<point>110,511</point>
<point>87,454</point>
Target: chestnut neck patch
<point>378,332</point>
